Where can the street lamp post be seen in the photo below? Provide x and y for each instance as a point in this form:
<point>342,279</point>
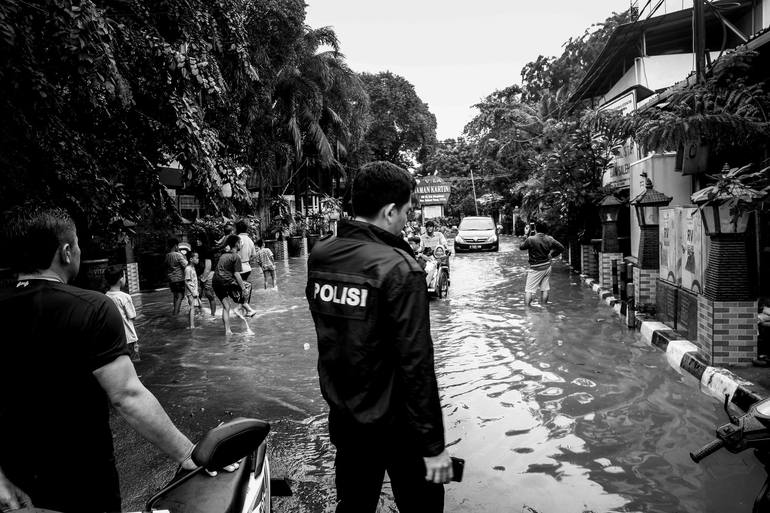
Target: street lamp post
<point>727,273</point>
<point>647,205</point>
<point>609,210</point>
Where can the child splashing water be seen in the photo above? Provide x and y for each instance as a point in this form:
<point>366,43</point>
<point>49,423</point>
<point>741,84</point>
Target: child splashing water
<point>229,287</point>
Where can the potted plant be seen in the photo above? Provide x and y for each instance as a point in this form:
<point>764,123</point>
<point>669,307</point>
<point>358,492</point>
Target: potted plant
<point>726,204</point>
<point>297,229</point>
<point>331,208</point>
<point>316,226</point>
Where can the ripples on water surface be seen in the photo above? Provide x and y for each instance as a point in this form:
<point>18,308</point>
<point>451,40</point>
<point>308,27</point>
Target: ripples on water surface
<point>560,409</point>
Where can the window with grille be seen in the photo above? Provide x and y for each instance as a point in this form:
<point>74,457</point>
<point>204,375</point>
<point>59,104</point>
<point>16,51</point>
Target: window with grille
<point>189,206</point>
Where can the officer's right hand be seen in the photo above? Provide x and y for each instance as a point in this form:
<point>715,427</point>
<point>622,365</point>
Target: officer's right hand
<point>12,497</point>
<point>438,469</point>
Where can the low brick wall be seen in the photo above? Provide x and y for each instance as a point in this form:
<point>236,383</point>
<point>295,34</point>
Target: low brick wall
<point>605,268</point>
<point>645,286</point>
<point>588,261</point>
<point>132,271</point>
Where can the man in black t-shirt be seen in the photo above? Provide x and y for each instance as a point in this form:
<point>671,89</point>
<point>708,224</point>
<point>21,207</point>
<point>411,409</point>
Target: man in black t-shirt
<point>542,248</point>
<point>64,362</point>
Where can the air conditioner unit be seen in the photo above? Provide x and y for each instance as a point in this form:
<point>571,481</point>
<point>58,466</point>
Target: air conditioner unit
<point>692,157</point>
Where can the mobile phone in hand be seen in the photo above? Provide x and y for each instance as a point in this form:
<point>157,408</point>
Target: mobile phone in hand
<point>458,465</point>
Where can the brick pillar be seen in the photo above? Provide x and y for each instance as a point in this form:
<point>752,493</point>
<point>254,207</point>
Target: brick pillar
<point>132,269</point>
<point>727,331</point>
<point>645,289</point>
<point>575,256</point>
<point>605,268</point>
<point>610,242</point>
<point>727,273</point>
<point>303,247</point>
<point>588,261</point>
<point>282,250</point>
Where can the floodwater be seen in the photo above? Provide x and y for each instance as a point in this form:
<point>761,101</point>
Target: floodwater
<point>556,410</point>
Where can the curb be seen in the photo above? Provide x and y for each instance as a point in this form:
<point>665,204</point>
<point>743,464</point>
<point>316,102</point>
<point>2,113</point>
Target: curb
<point>683,356</point>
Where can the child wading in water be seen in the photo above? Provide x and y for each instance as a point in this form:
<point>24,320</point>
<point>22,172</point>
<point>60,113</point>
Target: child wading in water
<point>191,287</point>
<point>266,262</point>
<point>116,279</point>
<point>229,286</point>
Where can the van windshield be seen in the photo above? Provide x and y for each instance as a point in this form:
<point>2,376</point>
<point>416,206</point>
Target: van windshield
<point>476,224</point>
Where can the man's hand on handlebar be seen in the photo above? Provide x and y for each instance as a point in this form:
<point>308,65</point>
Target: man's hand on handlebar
<point>438,469</point>
<point>11,496</point>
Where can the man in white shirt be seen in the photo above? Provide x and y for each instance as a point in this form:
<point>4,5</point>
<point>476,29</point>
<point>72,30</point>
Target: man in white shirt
<point>431,238</point>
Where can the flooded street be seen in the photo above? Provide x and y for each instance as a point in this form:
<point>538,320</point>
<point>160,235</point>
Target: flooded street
<point>556,410</point>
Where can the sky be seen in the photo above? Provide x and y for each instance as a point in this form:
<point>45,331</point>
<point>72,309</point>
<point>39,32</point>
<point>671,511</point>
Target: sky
<point>456,52</point>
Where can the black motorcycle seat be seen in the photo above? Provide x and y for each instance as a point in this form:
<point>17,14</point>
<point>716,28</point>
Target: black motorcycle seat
<point>205,494</point>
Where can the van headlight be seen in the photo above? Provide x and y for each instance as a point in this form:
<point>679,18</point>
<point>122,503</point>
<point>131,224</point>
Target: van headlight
<point>459,239</point>
<point>492,238</point>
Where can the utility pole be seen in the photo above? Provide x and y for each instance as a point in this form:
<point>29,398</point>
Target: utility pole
<point>475,202</point>
<point>699,40</point>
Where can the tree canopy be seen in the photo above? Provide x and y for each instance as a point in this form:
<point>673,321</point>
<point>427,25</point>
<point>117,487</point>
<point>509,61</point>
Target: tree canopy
<point>527,145</point>
<point>401,128</point>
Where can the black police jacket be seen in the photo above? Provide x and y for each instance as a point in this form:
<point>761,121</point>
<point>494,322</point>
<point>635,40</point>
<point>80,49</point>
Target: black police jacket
<point>369,302</point>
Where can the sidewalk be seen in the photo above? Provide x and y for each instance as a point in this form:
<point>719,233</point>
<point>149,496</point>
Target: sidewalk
<point>744,385</point>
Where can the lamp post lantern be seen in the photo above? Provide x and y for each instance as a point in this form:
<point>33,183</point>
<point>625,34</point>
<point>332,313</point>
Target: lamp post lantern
<point>609,209</point>
<point>725,211</point>
<point>647,205</point>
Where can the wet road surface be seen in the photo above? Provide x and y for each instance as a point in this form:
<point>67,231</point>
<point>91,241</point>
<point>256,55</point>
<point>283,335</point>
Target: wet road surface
<point>556,409</point>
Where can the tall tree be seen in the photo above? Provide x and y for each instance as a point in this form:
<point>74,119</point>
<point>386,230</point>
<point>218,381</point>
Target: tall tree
<point>401,129</point>
<point>319,103</point>
<point>95,95</point>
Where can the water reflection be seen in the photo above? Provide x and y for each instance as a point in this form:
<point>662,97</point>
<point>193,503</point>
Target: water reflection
<point>557,409</point>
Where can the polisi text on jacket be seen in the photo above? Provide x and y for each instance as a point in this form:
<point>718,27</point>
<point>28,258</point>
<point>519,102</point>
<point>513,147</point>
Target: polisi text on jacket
<point>342,295</point>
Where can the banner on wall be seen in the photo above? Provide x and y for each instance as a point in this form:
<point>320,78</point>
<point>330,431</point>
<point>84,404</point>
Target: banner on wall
<point>683,247</point>
<point>694,248</point>
<point>668,246</point>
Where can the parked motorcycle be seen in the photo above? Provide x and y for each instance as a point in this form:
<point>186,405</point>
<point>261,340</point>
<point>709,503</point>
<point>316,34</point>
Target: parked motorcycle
<point>751,431</point>
<point>249,489</point>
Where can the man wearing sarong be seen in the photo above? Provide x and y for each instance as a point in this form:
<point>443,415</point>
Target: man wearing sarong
<point>542,248</point>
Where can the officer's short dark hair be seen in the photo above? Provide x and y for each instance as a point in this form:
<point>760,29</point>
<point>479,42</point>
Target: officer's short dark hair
<point>32,236</point>
<point>430,223</point>
<point>241,226</point>
<point>173,242</point>
<point>378,183</point>
<point>541,226</point>
<point>113,274</point>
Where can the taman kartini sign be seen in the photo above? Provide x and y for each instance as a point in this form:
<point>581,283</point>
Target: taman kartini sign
<point>432,190</point>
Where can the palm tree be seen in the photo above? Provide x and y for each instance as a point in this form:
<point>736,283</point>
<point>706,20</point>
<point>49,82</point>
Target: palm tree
<point>317,101</point>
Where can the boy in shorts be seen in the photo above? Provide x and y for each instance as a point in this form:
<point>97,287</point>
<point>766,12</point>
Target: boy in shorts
<point>191,287</point>
<point>175,265</point>
<point>266,262</point>
<point>229,287</point>
<point>116,279</point>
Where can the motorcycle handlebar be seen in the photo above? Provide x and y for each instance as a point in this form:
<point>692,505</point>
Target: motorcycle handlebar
<point>707,450</point>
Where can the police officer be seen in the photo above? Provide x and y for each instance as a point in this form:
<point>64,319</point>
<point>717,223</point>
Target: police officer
<point>368,299</point>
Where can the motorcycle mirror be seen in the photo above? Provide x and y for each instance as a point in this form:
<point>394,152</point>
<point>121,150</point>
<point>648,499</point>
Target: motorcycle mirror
<point>762,412</point>
<point>229,442</point>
